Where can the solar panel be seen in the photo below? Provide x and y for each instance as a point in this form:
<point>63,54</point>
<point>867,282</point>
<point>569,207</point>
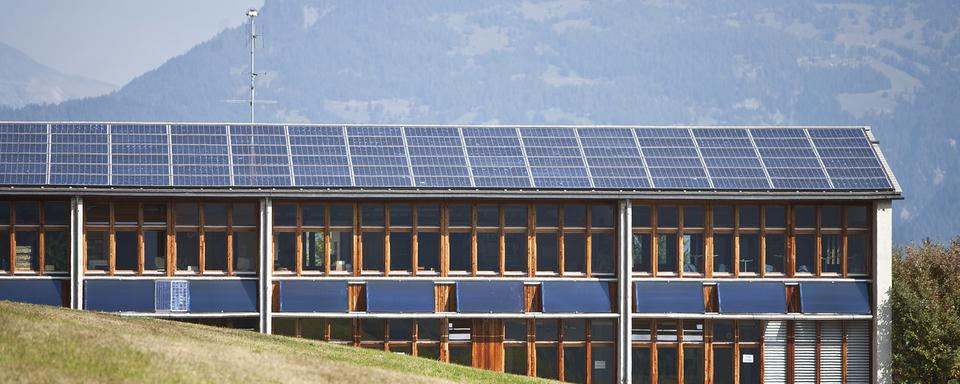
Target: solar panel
<point>79,154</point>
<point>319,157</point>
<point>849,158</point>
<point>437,157</point>
<point>496,158</point>
<point>790,158</point>
<point>731,158</point>
<point>139,155</point>
<point>672,158</point>
<point>555,158</point>
<point>260,156</point>
<point>23,154</point>
<point>379,157</point>
<point>200,155</point>
<point>613,158</point>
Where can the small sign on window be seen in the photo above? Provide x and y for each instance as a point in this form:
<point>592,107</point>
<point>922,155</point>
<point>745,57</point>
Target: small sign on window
<point>748,358</point>
<point>600,364</point>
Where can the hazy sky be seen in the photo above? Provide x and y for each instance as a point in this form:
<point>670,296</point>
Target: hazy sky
<point>114,40</point>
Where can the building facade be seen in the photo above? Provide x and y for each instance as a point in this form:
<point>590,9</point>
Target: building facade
<point>585,254</point>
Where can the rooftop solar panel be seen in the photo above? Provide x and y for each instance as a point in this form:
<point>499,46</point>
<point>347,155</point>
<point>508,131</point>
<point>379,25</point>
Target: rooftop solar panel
<point>555,158</point>
<point>673,159</point>
<point>200,155</point>
<point>790,159</point>
<point>437,157</point>
<point>260,156</point>
<point>23,154</point>
<point>319,157</point>
<point>79,154</point>
<point>731,158</point>
<point>496,158</point>
<point>140,155</point>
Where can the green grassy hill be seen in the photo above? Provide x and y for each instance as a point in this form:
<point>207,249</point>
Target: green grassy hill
<point>46,344</point>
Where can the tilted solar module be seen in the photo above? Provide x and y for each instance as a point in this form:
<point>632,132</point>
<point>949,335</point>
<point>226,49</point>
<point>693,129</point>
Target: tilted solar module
<point>260,156</point>
<point>79,154</point>
<point>23,154</point>
<point>319,156</point>
<point>140,155</point>
<point>201,155</point>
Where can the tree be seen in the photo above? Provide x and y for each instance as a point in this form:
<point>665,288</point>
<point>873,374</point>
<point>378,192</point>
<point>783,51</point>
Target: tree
<point>926,313</point>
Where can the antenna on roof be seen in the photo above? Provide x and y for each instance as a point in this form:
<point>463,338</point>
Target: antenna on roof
<point>252,14</point>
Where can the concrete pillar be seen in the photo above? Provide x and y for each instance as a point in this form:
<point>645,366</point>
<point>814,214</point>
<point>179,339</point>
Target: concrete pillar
<point>266,265</point>
<point>625,287</point>
<point>76,252</point>
<point>882,284</point>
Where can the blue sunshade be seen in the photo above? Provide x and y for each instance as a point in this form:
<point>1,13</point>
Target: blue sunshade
<point>669,297</point>
<point>45,291</point>
<point>827,297</point>
<point>576,297</point>
<point>400,296</point>
<point>119,295</point>
<point>752,297</point>
<point>490,296</point>
<point>313,296</point>
<point>223,296</point>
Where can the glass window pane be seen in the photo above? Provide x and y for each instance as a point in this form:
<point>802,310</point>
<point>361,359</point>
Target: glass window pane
<point>641,252</point>
<point>749,366</point>
<point>341,329</point>
<point>313,248</point>
<point>312,215</point>
<point>401,215</point>
<point>28,213</point>
<point>215,251</point>
<point>642,330</point>
<point>371,330</point>
<point>371,215</point>
<point>805,217</point>
<point>515,330</point>
<point>488,215</point>
<point>459,329</point>
<point>313,328</point>
<point>666,330</point>
<point>749,331</point>
<point>750,216</point>
<point>575,364</point>
<point>642,371</point>
<point>188,251</point>
<point>5,251</point>
<point>5,213</point>
<point>488,248</point>
<point>830,217</point>
<point>857,254</point>
<point>285,326</point>
<point>547,362</point>
<point>693,365</point>
<point>692,331</point>
<point>723,331</point>
<point>515,359</point>
<point>428,351</point>
<point>98,246</point>
<point>831,253</point>
<point>55,213</point>
<point>515,252</point>
<point>601,253</point>
<point>214,214</point>
<point>723,252</point>
<point>123,213</point>
<point>244,214</point>
<point>575,215</point>
<point>428,215</point>
<point>723,216</point>
<point>857,216</point>
<point>125,250</point>
<point>667,364</point>
<point>749,253</point>
<point>28,251</point>
<point>667,217</point>
<point>515,215</point>
<point>96,214</point>
<point>574,252</point>
<point>776,216</point>
<point>341,215</point>
<point>459,215</point>
<point>806,253</point>
<point>601,216</point>
<point>341,251</point>
<point>245,251</point>
<point>667,253</point>
<point>187,214</point>
<point>548,216</point>
<point>428,329</point>
<point>547,252</point>
<point>459,251</point>
<point>401,251</point>
<point>693,251</point>
<point>461,354</point>
<point>723,365</point>
<point>546,330</point>
<point>574,330</point>
<point>601,330</point>
<point>55,251</point>
<point>693,217</point>
<point>372,251</point>
<point>284,252</point>
<point>640,217</point>
<point>776,249</point>
<point>154,214</point>
<point>401,330</point>
<point>428,251</point>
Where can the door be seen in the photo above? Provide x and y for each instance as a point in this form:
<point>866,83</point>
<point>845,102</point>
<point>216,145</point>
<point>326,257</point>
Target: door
<point>487,341</point>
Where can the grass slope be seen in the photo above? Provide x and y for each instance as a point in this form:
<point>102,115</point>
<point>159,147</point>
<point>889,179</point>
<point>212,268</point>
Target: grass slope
<point>46,344</point>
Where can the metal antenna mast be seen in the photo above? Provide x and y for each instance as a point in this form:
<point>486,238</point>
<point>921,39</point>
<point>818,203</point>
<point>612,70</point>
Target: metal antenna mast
<point>252,14</point>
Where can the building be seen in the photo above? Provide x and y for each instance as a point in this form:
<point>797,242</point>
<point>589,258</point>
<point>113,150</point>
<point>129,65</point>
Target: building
<point>603,254</point>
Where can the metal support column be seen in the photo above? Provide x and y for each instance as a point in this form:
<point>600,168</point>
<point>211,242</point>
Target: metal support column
<point>266,265</point>
<point>883,282</point>
<point>76,252</point>
<point>625,287</point>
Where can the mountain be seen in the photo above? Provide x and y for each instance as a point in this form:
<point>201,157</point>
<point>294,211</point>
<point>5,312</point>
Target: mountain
<point>24,81</point>
<point>891,65</point>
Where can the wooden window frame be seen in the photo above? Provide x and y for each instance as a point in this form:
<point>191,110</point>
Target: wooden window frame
<point>40,229</point>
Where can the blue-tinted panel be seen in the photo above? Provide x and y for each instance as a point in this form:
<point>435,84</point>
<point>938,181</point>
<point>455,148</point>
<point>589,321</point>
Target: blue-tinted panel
<point>669,297</point>
<point>379,157</point>
<point>23,154</point>
<point>490,296</point>
<point>259,156</point>
<point>496,157</point>
<point>438,157</point>
<point>172,295</point>
<point>71,147</point>
<point>119,295</point>
<point>200,155</point>
<point>400,297</point>
<point>576,297</point>
<point>672,158</point>
<point>41,291</point>
<point>849,158</point>
<point>731,158</point>
<point>789,158</point>
<point>827,297</point>
<point>212,296</point>
<point>754,297</point>
<point>555,158</point>
<point>313,296</point>
<point>140,155</point>
<point>319,157</point>
<point>613,158</point>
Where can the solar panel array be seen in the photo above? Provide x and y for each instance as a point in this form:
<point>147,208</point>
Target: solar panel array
<point>276,156</point>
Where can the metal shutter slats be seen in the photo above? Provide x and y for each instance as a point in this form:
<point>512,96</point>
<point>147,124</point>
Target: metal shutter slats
<point>831,352</point>
<point>805,352</point>
<point>775,352</point>
<point>858,351</point>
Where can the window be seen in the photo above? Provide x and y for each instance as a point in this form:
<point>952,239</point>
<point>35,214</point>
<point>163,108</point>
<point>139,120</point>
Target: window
<point>547,252</point>
<point>575,252</point>
<point>126,250</point>
<point>215,251</point>
<point>188,250</point>
<point>401,246</point>
<point>749,253</point>
<point>373,250</point>
<point>641,252</point>
<point>722,253</point>
<point>428,257</point>
<point>313,250</point>
<point>806,253</point>
<point>831,254</point>
<point>515,252</point>
<point>776,250</point>
<point>98,248</point>
<point>667,253</point>
<point>36,234</point>
<point>28,250</point>
<point>488,257</point>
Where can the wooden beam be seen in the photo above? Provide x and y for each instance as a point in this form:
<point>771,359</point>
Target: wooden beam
<point>111,246</point>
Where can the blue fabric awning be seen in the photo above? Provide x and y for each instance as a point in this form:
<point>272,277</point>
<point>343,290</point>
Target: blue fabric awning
<point>490,296</point>
<point>400,297</point>
<point>576,297</point>
<point>669,297</point>
<point>752,297</point>
<point>835,297</point>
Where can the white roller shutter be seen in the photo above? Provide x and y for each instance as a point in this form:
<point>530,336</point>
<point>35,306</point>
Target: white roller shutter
<point>805,352</point>
<point>831,352</point>
<point>775,352</point>
<point>858,351</point>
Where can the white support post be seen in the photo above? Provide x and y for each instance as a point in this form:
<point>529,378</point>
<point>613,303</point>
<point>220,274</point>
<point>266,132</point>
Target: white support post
<point>882,284</point>
<point>625,287</point>
<point>76,252</point>
<point>266,265</point>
